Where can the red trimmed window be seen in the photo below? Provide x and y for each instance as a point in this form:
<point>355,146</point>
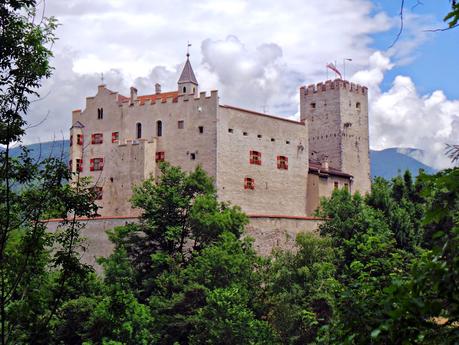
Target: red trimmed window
<point>249,183</point>
<point>71,140</point>
<point>98,191</point>
<point>80,139</point>
<point>255,157</point>
<point>282,162</point>
<point>160,156</point>
<point>79,165</point>
<point>96,164</point>
<point>115,137</point>
<point>97,138</point>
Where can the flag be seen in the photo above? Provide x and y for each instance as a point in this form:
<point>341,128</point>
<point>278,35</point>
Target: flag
<point>334,69</point>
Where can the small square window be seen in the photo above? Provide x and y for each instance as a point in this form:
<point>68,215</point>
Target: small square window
<point>357,105</point>
<point>282,162</point>
<point>180,124</point>
<point>201,129</point>
<point>244,133</point>
<point>259,136</point>
<point>98,193</point>
<point>97,138</point>
<point>192,156</point>
<point>160,156</point>
<point>249,183</point>
<point>230,130</point>
<point>313,105</point>
<point>96,164</point>
<point>273,140</point>
<point>287,142</point>
<point>255,157</point>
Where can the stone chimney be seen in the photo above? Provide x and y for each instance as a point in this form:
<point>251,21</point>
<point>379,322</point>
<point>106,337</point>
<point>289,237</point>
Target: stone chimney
<point>157,88</point>
<point>324,163</point>
<point>133,95</point>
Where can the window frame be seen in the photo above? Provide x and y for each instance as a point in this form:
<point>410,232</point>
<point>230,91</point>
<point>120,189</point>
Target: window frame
<point>115,137</point>
<point>282,162</point>
<point>249,183</point>
<point>254,157</point>
<point>100,164</point>
<point>97,138</point>
<point>160,156</point>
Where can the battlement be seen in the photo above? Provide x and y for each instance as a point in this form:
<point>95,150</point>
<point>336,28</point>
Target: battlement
<point>168,98</point>
<point>333,85</point>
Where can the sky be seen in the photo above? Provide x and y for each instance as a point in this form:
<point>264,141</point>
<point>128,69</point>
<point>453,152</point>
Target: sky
<point>257,54</point>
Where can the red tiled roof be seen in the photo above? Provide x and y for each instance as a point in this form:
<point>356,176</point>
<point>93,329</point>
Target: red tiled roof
<point>149,98</point>
<point>316,168</point>
<point>251,112</point>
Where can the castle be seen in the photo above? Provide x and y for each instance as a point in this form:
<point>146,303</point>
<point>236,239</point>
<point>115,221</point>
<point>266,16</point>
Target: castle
<point>269,166</point>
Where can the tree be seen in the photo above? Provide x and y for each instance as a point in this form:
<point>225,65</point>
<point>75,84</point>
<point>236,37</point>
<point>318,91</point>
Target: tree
<point>33,279</point>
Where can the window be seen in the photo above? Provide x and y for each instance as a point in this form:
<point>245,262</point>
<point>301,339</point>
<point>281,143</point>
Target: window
<point>336,185</point>
<point>97,193</point>
<point>71,140</point>
<point>97,138</point>
<point>259,136</point>
<point>184,89</point>
<point>159,128</point>
<point>139,130</point>
<point>192,156</point>
<point>249,183</point>
<point>159,156</point>
<point>357,105</point>
<point>230,130</point>
<point>273,140</point>
<point>79,165</point>
<point>244,133</point>
<point>180,124</point>
<point>313,105</point>
<point>115,137</point>
<point>80,139</point>
<point>96,164</point>
<point>201,129</point>
<point>255,157</point>
<point>282,162</point>
<point>100,113</point>
<point>287,142</point>
<point>346,186</point>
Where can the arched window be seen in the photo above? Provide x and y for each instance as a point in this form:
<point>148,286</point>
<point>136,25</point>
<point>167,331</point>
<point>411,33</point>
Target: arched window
<point>159,128</point>
<point>184,89</point>
<point>139,130</point>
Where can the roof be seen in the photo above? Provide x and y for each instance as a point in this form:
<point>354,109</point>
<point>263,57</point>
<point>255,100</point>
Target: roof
<point>77,124</point>
<point>187,75</point>
<point>316,168</point>
<point>151,98</point>
<point>251,112</point>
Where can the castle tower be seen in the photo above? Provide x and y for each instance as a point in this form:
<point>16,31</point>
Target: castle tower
<point>337,115</point>
<point>187,83</point>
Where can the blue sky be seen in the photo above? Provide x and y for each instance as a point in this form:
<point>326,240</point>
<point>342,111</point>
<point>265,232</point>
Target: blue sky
<point>434,64</point>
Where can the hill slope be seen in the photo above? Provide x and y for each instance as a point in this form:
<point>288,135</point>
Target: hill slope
<point>386,163</point>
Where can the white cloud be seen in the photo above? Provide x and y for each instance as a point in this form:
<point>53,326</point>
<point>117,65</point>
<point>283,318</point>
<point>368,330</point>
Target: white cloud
<point>256,53</point>
<point>401,117</point>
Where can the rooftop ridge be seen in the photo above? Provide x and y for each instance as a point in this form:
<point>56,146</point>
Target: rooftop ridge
<point>262,114</point>
<point>332,85</point>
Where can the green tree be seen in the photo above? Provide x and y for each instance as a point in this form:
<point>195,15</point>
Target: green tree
<point>33,279</point>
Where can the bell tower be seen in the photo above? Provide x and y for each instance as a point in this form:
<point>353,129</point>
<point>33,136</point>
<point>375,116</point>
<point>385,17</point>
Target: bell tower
<point>187,83</point>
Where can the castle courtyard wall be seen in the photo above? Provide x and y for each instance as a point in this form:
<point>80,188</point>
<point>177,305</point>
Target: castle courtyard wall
<point>276,191</point>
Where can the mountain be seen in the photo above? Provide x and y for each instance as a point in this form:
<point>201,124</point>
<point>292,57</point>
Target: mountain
<point>386,163</point>
<point>391,162</point>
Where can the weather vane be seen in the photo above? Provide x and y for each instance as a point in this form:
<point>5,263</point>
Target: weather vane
<point>188,49</point>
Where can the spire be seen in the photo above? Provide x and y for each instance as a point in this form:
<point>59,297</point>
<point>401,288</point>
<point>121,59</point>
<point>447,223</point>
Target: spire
<point>187,75</point>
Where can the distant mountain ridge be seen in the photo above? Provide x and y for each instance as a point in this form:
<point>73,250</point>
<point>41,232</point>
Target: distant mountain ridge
<point>386,163</point>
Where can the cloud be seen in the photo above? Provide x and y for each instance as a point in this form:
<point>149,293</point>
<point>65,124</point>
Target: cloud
<point>401,117</point>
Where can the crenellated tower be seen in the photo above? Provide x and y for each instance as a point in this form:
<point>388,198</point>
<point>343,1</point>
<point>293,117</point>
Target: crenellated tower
<point>337,116</point>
